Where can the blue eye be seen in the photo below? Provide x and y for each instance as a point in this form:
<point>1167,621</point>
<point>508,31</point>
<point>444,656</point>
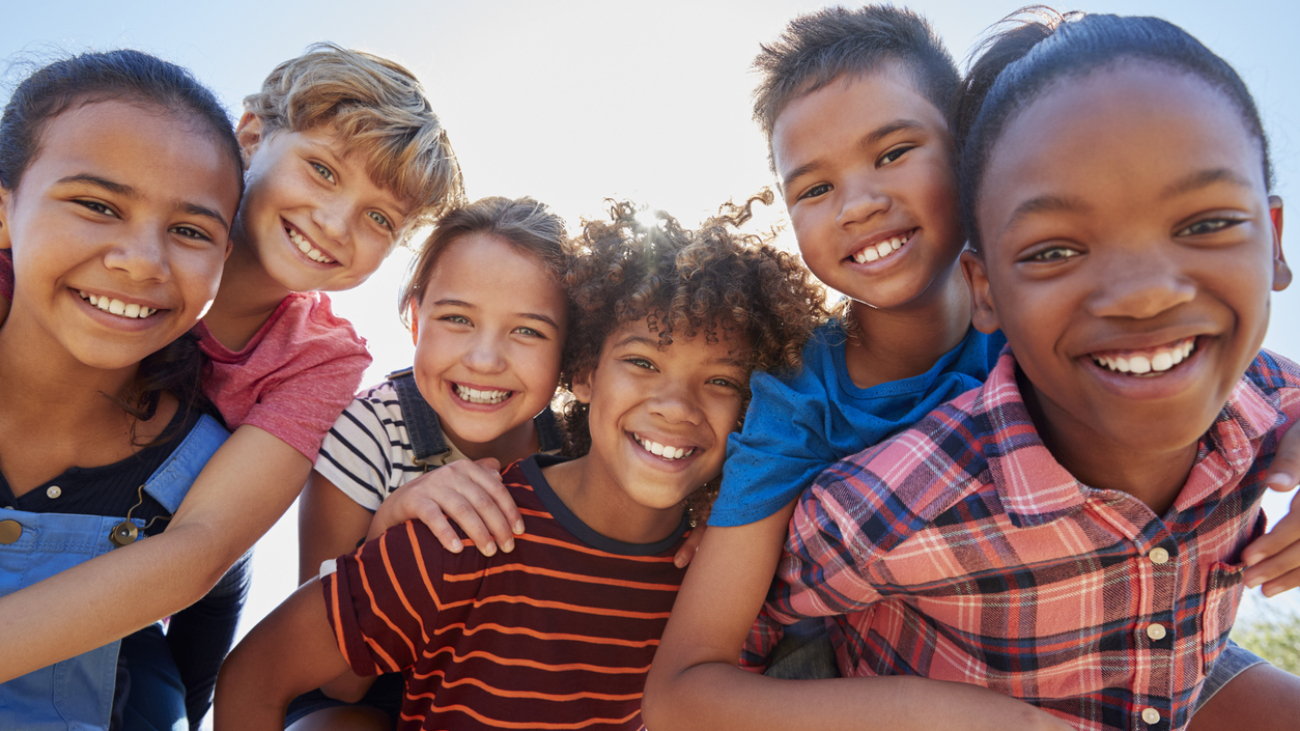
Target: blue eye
<point>323,171</point>
<point>455,319</point>
<point>380,219</point>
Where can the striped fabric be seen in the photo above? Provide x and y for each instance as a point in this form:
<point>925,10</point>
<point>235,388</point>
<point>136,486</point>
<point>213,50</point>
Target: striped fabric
<point>557,634</point>
<point>961,550</point>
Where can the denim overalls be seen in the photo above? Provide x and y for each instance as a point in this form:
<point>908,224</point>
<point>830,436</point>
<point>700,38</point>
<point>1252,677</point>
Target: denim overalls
<point>77,694</point>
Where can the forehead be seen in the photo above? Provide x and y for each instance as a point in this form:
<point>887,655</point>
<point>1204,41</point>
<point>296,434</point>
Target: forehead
<point>488,267</point>
<point>1121,136</point>
<point>718,342</point>
<point>850,106</point>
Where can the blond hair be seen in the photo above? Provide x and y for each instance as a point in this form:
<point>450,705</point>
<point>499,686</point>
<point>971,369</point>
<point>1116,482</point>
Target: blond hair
<point>375,106</point>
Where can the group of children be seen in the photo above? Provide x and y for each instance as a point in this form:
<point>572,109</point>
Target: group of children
<point>1011,479</point>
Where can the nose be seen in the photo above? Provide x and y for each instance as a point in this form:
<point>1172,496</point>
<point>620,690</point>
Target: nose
<point>1139,283</point>
<point>676,402</point>
<point>332,218</point>
<point>141,255</point>
<point>862,199</point>
<point>485,354</point>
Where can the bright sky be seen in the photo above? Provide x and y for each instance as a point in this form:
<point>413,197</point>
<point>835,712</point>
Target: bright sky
<point>583,101</point>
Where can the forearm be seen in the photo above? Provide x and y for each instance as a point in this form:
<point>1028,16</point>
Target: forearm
<point>288,653</point>
<point>244,488</point>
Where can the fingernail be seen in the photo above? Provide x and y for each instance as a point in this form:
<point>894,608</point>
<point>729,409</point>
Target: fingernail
<point>1280,481</point>
<point>1252,583</point>
<point>679,562</point>
<point>1271,591</point>
<point>519,527</point>
<point>1252,559</point>
<point>457,546</point>
<point>490,548</point>
<point>508,546</point>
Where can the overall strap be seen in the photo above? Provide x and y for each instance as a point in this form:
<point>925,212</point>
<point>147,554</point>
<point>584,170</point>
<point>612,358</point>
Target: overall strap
<point>170,482</point>
<point>421,421</point>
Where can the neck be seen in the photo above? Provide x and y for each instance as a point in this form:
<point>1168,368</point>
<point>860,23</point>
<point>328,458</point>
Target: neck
<point>512,446</point>
<point>585,488</point>
<point>900,342</point>
<point>247,297</point>
<point>1153,476</point>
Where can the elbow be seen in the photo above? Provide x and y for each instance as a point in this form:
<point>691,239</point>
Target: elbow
<point>666,690</point>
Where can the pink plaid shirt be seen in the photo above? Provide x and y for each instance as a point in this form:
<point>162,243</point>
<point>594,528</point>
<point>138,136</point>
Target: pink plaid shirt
<point>961,550</point>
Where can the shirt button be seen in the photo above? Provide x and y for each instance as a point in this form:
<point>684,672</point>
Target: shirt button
<point>10,531</point>
<point>1151,716</point>
<point>54,491</point>
<point>1159,555</point>
<point>1156,631</point>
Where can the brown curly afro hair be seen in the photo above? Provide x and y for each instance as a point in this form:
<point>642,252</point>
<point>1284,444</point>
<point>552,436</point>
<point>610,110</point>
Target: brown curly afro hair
<point>685,283</point>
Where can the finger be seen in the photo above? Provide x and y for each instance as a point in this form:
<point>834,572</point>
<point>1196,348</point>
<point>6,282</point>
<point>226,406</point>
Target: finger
<point>689,547</point>
<point>490,480</point>
<point>490,499</point>
<point>443,531</point>
<point>463,513</point>
<point>1285,582</point>
<point>1273,568</point>
<point>1285,533</point>
<point>1284,473</point>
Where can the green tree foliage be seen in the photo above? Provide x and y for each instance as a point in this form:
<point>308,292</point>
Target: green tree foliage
<point>1273,634</point>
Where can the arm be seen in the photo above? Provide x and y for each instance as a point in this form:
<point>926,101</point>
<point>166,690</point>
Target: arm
<point>288,653</point>
<point>1274,558</point>
<point>695,682</point>
<point>246,486</point>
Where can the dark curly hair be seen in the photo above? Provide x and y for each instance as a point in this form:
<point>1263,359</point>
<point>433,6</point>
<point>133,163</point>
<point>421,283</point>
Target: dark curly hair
<point>687,284</point>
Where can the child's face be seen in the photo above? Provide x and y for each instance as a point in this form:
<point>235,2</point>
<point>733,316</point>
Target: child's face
<point>660,415</point>
<point>119,230</point>
<point>866,168</point>
<point>311,214</point>
<point>488,338</point>
<point>1129,250</point>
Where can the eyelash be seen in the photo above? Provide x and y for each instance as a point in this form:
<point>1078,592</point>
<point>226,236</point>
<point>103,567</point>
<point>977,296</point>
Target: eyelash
<point>530,332</point>
<point>193,233</point>
<point>323,171</point>
<point>455,319</point>
<point>815,191</point>
<point>896,153</point>
<point>380,219</point>
<point>1217,225</point>
<point>103,209</point>
<point>97,207</point>
<point>1042,256</point>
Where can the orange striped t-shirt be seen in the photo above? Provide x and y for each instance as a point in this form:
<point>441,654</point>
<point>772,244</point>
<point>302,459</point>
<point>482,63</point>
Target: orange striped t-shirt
<point>557,634</point>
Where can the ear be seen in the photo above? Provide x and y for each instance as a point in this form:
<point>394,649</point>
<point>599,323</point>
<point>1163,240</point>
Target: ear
<point>582,387</point>
<point>983,314</point>
<point>413,317</point>
<point>249,132</point>
<point>1281,272</point>
<point>5,198</point>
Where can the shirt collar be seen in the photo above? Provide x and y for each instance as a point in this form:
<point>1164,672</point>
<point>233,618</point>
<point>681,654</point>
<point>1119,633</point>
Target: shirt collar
<point>1036,489</point>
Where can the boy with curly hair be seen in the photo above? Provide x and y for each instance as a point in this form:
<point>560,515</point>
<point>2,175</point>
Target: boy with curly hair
<point>668,325</point>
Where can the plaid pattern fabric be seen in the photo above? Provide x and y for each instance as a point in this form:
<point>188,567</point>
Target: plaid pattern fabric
<point>961,550</point>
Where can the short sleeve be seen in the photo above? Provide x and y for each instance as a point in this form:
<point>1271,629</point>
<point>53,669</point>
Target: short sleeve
<point>778,453</point>
<point>357,454</point>
<point>378,602</point>
<point>294,378</point>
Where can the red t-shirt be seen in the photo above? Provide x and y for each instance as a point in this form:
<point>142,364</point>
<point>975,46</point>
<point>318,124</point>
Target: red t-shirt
<point>294,377</point>
<point>559,633</point>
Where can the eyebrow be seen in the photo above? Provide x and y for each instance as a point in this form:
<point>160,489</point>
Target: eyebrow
<point>870,138</point>
<point>127,191</point>
<point>529,315</point>
<point>539,317</point>
<point>1046,204</point>
<point>631,339</point>
<point>1204,179</point>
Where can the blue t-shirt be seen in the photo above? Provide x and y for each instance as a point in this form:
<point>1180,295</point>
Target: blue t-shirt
<point>798,425</point>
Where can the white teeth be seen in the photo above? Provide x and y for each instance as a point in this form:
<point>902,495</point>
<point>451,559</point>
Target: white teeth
<point>305,247</point>
<point>117,307</point>
<point>1162,359</point>
<point>881,250</point>
<point>663,450</point>
<point>475,396</point>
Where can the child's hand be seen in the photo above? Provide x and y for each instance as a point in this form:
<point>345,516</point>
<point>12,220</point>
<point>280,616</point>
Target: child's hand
<point>470,493</point>
<point>1274,558</point>
<point>689,547</point>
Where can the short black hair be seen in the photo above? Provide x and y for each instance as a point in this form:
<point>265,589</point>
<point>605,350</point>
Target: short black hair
<point>818,48</point>
<point>1040,47</point>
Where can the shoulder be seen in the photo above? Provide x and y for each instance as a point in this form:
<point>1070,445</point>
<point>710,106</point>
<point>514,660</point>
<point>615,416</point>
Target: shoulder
<point>1270,372</point>
<point>306,320</point>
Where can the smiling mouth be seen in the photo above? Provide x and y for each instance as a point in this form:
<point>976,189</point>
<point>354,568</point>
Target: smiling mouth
<point>879,251</point>
<point>1149,362</point>
<point>475,396</point>
<point>663,450</point>
<point>305,246</point>
<point>129,310</point>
